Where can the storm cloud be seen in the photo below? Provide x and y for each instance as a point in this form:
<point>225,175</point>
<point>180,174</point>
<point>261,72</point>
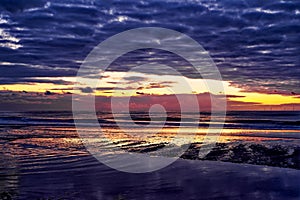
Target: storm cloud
<point>255,44</point>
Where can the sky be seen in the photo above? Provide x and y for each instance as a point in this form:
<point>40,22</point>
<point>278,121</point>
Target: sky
<point>254,44</point>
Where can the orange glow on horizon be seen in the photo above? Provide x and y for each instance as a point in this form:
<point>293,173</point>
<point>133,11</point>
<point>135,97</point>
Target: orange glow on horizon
<point>148,86</point>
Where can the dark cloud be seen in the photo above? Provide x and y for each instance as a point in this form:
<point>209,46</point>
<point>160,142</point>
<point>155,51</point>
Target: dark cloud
<point>140,93</point>
<point>86,90</point>
<point>20,80</point>
<point>66,88</point>
<point>234,96</point>
<point>163,84</point>
<point>33,71</point>
<point>115,88</point>
<point>255,44</point>
<point>49,93</point>
<point>26,101</point>
<point>23,101</point>
<point>113,82</point>
<point>20,5</point>
<point>134,79</point>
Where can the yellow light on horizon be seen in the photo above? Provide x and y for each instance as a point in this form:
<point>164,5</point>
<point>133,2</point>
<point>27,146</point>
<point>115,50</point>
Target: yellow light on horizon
<point>177,85</point>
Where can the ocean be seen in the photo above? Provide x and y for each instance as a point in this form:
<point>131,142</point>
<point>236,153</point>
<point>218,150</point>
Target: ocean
<point>42,156</point>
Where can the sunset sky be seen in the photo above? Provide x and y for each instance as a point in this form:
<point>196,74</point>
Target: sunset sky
<point>254,44</point>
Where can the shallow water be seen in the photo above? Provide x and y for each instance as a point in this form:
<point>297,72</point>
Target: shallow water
<point>43,156</point>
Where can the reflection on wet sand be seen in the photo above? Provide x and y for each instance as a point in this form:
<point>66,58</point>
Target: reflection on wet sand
<point>192,179</point>
<point>9,180</point>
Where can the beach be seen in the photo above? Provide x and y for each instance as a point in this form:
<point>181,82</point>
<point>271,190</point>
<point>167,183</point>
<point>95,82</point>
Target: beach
<point>43,157</point>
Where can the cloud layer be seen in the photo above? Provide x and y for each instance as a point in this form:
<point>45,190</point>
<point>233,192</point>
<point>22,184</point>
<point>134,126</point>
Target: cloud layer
<point>254,43</point>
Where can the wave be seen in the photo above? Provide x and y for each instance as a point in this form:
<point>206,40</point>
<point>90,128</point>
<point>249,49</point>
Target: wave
<point>244,120</point>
